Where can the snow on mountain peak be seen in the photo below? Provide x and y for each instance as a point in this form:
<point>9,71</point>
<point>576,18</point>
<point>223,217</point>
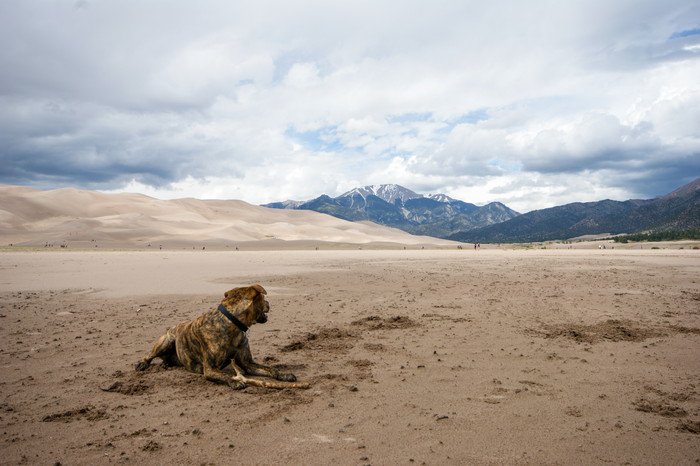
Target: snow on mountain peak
<point>386,192</point>
<point>440,198</point>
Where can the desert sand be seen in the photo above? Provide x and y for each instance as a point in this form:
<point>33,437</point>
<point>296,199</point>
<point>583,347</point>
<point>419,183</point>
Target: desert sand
<point>495,356</point>
<point>87,219</point>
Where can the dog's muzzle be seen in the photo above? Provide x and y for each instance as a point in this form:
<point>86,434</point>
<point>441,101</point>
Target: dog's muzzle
<point>262,317</point>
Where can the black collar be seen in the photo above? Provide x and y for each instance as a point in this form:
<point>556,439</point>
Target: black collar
<point>241,326</point>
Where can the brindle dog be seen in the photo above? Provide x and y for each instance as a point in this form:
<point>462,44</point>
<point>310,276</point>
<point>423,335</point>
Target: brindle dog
<point>216,339</point>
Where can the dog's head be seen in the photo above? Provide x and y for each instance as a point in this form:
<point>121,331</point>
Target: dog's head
<point>248,304</point>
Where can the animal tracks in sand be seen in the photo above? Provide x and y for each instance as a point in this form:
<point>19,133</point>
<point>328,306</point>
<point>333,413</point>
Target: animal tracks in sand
<point>342,339</point>
<point>610,330</point>
<point>89,413</point>
<point>613,330</point>
<point>134,387</point>
<point>674,405</point>
<point>501,392</point>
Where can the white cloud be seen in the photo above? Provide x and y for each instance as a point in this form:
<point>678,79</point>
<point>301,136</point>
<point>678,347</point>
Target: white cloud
<point>303,75</point>
<point>532,103</point>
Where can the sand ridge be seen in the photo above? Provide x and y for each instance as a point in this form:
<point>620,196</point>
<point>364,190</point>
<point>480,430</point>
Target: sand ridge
<point>81,218</point>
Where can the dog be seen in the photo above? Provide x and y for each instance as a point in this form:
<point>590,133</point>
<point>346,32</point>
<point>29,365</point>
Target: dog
<point>217,339</point>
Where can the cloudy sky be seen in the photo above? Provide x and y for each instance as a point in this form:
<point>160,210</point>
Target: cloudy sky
<point>531,103</point>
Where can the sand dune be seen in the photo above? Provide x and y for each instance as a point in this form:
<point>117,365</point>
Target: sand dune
<point>86,218</point>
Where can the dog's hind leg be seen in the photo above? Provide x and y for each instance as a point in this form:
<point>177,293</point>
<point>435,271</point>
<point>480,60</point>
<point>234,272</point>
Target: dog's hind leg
<point>164,348</point>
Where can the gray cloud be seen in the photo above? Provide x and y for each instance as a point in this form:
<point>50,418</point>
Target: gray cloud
<point>594,142</point>
<point>201,100</point>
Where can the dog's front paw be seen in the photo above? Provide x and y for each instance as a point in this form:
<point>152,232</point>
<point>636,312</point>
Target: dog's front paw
<point>287,377</point>
<point>142,365</point>
<point>237,384</point>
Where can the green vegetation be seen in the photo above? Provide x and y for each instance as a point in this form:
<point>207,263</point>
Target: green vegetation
<point>669,235</point>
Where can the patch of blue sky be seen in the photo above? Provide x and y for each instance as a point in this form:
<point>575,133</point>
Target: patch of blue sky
<point>686,33</point>
<point>409,132</point>
<point>410,117</point>
<point>322,139</point>
<point>507,166</point>
<point>472,117</point>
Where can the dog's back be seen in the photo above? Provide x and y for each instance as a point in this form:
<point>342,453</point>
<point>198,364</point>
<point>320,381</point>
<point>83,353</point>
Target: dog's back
<point>208,336</point>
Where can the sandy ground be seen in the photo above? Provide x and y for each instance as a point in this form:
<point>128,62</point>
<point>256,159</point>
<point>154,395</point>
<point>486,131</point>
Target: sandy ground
<point>416,357</point>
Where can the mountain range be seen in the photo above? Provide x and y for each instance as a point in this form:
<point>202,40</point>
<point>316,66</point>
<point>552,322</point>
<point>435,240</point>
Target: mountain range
<point>85,219</point>
<point>444,217</point>
<point>392,205</point>
<point>678,210</point>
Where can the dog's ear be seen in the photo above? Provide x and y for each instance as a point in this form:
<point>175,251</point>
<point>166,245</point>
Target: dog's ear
<point>250,292</point>
<point>253,291</point>
<point>259,289</point>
